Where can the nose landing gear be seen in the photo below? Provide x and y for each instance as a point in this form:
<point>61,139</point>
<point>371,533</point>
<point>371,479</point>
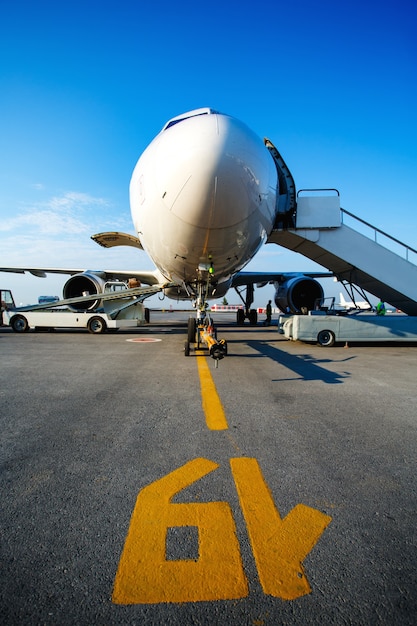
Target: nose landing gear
<point>204,334</point>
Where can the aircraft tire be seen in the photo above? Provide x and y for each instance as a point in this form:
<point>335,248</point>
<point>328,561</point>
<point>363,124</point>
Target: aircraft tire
<point>253,317</point>
<point>96,325</point>
<point>186,348</point>
<point>240,317</point>
<point>191,329</point>
<point>326,338</point>
<point>19,324</point>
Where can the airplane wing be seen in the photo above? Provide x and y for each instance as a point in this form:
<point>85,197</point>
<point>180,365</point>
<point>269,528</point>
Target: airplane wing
<point>40,272</point>
<point>149,277</point>
<point>153,277</point>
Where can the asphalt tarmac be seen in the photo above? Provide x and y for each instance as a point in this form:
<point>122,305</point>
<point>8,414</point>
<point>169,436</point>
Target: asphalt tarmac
<point>122,503</point>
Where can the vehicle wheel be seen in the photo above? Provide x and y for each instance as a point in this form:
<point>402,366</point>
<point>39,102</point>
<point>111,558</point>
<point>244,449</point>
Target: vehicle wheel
<point>19,324</point>
<point>240,317</point>
<point>96,325</point>
<point>186,348</point>
<point>191,329</point>
<point>147,315</point>
<point>326,338</point>
<point>253,317</point>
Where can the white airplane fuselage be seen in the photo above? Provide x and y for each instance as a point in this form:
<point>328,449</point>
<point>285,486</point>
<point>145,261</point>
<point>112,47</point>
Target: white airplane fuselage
<point>203,199</point>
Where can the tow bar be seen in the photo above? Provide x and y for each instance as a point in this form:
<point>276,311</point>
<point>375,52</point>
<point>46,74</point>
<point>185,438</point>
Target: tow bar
<point>206,336</point>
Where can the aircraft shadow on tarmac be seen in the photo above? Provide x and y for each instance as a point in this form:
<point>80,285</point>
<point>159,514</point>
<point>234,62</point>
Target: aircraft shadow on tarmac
<point>305,366</point>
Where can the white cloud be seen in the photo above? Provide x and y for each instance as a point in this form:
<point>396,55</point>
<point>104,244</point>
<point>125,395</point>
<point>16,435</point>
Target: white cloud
<point>46,222</point>
<point>74,200</point>
<point>64,214</point>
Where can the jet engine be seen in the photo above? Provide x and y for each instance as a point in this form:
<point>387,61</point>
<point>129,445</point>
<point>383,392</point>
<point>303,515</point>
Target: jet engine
<point>298,295</point>
<point>87,283</point>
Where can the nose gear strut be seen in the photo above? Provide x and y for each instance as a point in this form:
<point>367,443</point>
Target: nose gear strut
<point>202,333</point>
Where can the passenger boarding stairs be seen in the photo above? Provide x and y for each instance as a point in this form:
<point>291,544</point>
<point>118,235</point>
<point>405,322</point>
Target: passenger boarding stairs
<point>378,264</point>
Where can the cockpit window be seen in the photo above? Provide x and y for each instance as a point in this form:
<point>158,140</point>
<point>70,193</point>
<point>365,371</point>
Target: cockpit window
<point>186,116</point>
<point>173,122</point>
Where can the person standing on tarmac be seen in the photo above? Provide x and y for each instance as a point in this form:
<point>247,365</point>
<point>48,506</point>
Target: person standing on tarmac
<point>268,311</point>
<point>380,308</point>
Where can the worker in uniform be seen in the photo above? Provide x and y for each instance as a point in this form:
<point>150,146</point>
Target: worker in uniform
<point>268,311</point>
<point>380,308</point>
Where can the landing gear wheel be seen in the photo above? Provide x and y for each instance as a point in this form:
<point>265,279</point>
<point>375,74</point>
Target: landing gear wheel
<point>96,325</point>
<point>253,317</point>
<point>326,338</point>
<point>191,329</point>
<point>187,348</point>
<point>240,317</point>
<point>19,324</point>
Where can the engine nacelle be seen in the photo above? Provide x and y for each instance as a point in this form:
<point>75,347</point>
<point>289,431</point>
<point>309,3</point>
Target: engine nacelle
<point>298,295</point>
<point>87,283</point>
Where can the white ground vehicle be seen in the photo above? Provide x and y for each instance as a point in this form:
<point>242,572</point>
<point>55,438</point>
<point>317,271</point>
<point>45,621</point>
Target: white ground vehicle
<point>118,307</point>
<point>327,330</point>
<point>95,322</point>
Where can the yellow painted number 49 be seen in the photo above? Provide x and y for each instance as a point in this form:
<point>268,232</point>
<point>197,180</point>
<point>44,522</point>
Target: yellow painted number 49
<point>145,574</point>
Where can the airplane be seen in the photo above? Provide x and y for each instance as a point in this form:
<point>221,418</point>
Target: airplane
<point>204,196</point>
<point>358,304</point>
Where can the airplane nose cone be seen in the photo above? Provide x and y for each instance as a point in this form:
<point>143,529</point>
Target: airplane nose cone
<point>221,174</point>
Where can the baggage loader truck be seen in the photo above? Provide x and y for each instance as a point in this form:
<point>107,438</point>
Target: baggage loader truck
<point>96,322</point>
<point>117,307</point>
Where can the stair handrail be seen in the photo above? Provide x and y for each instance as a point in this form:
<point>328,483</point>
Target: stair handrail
<point>381,232</point>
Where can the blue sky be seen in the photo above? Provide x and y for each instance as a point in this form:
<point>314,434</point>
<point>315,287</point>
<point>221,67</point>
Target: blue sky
<point>85,86</point>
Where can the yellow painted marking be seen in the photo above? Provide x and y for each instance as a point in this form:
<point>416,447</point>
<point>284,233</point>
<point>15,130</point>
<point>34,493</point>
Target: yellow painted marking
<point>279,545</point>
<point>145,575</point>
<point>212,406</point>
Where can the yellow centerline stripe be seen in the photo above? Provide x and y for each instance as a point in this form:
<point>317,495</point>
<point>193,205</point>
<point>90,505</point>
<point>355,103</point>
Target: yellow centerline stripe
<point>212,406</point>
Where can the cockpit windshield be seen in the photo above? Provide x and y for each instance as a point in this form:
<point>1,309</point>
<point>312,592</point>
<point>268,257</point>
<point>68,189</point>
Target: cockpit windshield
<point>186,116</point>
